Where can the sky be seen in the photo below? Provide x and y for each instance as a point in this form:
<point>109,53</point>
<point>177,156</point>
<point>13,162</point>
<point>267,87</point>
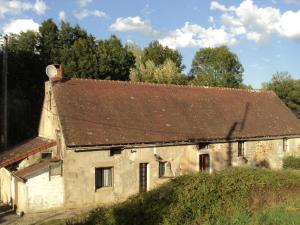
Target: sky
<point>264,34</point>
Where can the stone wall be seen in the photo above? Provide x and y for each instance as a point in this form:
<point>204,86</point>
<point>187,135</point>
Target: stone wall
<point>79,167</point>
<point>79,172</point>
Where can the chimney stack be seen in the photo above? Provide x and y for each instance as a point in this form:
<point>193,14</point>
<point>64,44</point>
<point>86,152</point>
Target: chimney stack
<point>54,72</point>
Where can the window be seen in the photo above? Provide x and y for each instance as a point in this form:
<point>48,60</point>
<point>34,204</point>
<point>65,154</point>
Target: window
<point>241,148</point>
<point>285,144</point>
<point>202,146</point>
<point>161,169</point>
<point>103,177</point>
<point>46,155</point>
<point>115,151</point>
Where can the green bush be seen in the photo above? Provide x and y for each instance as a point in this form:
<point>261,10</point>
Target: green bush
<point>197,198</point>
<point>291,162</point>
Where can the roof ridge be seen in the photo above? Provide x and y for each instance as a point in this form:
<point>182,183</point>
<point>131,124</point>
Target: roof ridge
<point>173,85</point>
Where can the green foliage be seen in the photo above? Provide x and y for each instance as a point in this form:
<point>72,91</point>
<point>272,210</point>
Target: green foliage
<point>48,41</point>
<point>216,67</point>
<point>24,42</point>
<point>158,54</point>
<point>197,198</point>
<point>282,214</point>
<point>137,53</point>
<point>115,60</point>
<point>80,59</point>
<point>291,162</point>
<point>167,73</point>
<point>287,89</point>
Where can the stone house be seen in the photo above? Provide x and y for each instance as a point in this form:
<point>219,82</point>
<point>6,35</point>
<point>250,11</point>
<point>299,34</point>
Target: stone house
<point>102,141</point>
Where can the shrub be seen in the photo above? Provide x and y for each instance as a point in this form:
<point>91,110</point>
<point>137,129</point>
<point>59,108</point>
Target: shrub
<point>199,198</point>
<point>291,162</point>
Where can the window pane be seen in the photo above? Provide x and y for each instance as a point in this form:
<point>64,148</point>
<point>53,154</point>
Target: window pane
<point>107,177</point>
<point>161,169</point>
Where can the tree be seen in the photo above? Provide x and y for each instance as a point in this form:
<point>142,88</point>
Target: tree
<point>80,59</point>
<point>68,34</point>
<point>114,60</point>
<point>48,41</point>
<point>158,54</point>
<point>137,52</point>
<point>286,88</point>
<point>23,42</point>
<point>216,67</point>
<point>167,73</point>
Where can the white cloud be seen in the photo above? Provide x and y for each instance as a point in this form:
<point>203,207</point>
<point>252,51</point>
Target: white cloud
<point>86,13</point>
<point>214,5</point>
<point>62,15</point>
<point>193,35</point>
<point>258,23</point>
<point>15,7</point>
<point>289,25</point>
<point>84,2</point>
<point>211,19</point>
<point>20,25</point>
<point>132,24</point>
<point>40,7</point>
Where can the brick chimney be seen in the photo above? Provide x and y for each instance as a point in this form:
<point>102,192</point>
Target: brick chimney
<point>54,72</point>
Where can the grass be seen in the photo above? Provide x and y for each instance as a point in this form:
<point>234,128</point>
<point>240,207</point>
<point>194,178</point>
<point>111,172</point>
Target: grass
<point>232,196</point>
<point>291,162</point>
<point>287,213</point>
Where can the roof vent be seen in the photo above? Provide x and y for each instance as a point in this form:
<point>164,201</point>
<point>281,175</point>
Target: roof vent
<point>54,72</point>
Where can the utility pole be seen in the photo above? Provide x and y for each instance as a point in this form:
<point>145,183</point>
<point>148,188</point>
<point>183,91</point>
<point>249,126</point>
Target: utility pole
<point>4,96</point>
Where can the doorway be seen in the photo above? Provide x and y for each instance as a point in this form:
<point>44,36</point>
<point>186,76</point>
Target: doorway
<point>143,177</point>
<point>204,162</point>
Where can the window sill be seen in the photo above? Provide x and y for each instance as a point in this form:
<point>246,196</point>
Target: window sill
<point>166,177</point>
<point>104,189</point>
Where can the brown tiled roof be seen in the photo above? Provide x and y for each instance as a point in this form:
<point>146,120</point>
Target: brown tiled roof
<point>94,112</point>
<point>23,173</point>
<point>24,150</point>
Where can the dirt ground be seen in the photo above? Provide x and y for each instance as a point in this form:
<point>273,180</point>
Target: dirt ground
<point>37,218</point>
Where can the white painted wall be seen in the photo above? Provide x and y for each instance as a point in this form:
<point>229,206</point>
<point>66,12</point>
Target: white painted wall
<point>5,188</point>
<point>43,193</point>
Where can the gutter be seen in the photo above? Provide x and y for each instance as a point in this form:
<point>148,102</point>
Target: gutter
<point>84,148</point>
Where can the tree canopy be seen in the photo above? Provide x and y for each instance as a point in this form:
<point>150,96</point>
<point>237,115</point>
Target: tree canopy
<point>166,73</point>
<point>114,60</point>
<point>216,67</point>
<point>159,54</point>
<point>286,88</point>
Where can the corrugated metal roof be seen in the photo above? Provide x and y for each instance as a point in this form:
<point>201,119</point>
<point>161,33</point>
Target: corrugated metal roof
<point>99,112</point>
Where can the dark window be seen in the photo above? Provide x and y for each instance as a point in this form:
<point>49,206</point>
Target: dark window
<point>285,144</point>
<point>115,151</point>
<point>103,177</point>
<point>161,169</point>
<point>202,146</point>
<point>241,148</point>
<point>46,155</point>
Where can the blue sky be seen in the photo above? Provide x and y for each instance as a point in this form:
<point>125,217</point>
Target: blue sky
<point>264,34</point>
